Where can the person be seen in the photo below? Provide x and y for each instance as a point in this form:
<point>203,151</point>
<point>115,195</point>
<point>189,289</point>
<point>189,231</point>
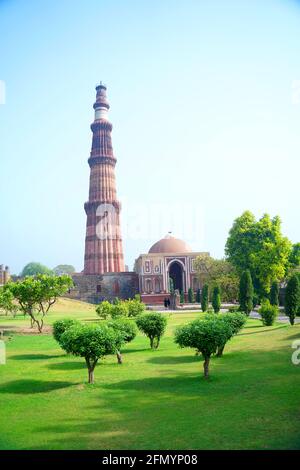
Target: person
<point>166,302</point>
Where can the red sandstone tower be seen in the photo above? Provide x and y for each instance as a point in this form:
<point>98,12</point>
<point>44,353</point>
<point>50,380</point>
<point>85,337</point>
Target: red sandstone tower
<point>103,242</point>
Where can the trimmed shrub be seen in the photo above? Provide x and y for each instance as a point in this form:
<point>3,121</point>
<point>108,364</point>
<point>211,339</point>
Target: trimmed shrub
<point>198,296</point>
<point>119,309</point>
<point>205,336</point>
<point>204,298</point>
<point>60,326</point>
<point>191,297</point>
<point>135,307</point>
<point>216,299</point>
<point>274,294</point>
<point>292,298</point>
<point>152,325</point>
<point>268,312</point>
<point>104,309</point>
<point>126,330</point>
<point>181,297</point>
<point>246,293</point>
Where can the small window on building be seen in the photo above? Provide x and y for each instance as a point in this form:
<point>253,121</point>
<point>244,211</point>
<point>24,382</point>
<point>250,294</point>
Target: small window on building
<point>98,288</point>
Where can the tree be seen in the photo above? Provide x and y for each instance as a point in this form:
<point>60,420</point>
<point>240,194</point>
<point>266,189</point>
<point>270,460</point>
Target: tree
<point>294,258</point>
<point>32,269</point>
<point>235,321</point>
<point>7,301</point>
<point>268,312</point>
<point>205,336</point>
<point>198,296</point>
<point>274,293</point>
<point>246,292</point>
<point>216,299</point>
<point>127,332</point>
<point>191,297</point>
<point>260,247</point>
<point>218,272</point>
<point>60,326</point>
<point>119,309</point>
<point>135,307</point>
<point>36,295</point>
<point>152,325</point>
<point>181,297</point>
<point>63,269</point>
<point>204,298</point>
<point>91,342</point>
<point>292,298</point>
<point>104,309</point>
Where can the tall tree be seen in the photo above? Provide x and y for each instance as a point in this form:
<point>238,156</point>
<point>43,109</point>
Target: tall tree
<point>260,247</point>
<point>216,299</point>
<point>274,293</point>
<point>246,292</point>
<point>63,269</point>
<point>32,269</point>
<point>218,271</point>
<point>191,297</point>
<point>292,298</point>
<point>204,298</point>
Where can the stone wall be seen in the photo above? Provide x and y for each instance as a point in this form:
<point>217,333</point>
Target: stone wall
<point>94,288</point>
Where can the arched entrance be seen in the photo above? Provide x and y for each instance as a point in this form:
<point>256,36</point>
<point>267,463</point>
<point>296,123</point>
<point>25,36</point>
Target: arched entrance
<point>176,273</point>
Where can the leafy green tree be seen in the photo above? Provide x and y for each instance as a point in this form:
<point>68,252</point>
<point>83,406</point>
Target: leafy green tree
<point>32,269</point>
<point>292,298</point>
<point>7,301</point>
<point>181,297</point>
<point>36,295</point>
<point>60,326</point>
<point>153,325</point>
<point>206,336</point>
<point>198,296</point>
<point>246,292</point>
<point>119,309</point>
<point>260,247</point>
<point>135,307</point>
<point>191,297</point>
<point>205,298</point>
<point>274,293</point>
<point>91,342</point>
<point>104,309</point>
<point>294,258</point>
<point>127,332</point>
<point>218,272</point>
<point>268,312</point>
<point>235,320</point>
<point>216,299</point>
<point>64,269</point>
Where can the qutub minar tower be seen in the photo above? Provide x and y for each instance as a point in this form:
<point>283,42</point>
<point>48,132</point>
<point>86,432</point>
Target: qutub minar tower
<point>104,276</point>
<point>103,242</point>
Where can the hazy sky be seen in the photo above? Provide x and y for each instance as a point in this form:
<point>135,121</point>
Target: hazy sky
<point>205,104</point>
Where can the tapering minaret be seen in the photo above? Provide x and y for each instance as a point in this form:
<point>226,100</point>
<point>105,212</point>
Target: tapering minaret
<point>103,242</point>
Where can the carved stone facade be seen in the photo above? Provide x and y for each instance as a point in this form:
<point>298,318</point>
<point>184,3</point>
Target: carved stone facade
<point>108,286</point>
<point>169,258</point>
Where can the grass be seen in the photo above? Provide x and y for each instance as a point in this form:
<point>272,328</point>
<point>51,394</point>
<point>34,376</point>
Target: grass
<point>155,399</point>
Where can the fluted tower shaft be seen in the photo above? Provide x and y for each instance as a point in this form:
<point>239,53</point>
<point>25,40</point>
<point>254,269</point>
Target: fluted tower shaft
<point>103,242</point>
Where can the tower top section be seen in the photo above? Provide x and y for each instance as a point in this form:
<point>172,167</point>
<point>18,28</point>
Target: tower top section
<point>101,105</point>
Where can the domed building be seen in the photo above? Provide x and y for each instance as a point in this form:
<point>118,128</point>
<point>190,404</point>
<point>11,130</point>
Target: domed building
<point>169,258</point>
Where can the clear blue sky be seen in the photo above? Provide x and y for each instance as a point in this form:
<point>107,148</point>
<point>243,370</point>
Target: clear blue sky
<point>203,109</point>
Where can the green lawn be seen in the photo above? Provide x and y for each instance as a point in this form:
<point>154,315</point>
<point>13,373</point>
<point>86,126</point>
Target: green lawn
<point>156,399</point>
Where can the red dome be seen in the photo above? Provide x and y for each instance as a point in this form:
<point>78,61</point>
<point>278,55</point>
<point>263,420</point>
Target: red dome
<point>170,244</point>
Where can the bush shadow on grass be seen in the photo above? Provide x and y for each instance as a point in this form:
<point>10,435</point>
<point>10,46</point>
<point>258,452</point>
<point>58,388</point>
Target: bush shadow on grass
<point>70,365</point>
<point>25,357</point>
<point>24,387</point>
<point>265,330</point>
<point>175,359</point>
